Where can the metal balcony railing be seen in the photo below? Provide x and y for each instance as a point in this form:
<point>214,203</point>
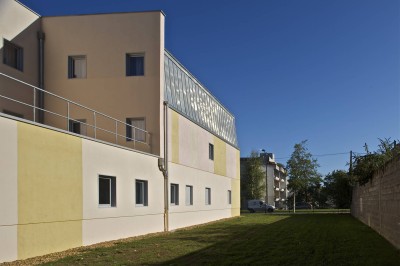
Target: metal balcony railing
<point>132,134</point>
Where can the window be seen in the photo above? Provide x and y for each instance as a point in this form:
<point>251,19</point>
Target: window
<point>77,67</point>
<point>141,193</point>
<point>13,55</point>
<point>189,195</point>
<point>133,129</point>
<point>78,126</point>
<point>229,197</point>
<point>107,191</point>
<point>174,194</point>
<point>208,196</point>
<point>135,64</point>
<point>211,151</point>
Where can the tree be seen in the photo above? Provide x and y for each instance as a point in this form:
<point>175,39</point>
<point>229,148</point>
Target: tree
<point>304,179</point>
<point>339,187</point>
<point>254,178</point>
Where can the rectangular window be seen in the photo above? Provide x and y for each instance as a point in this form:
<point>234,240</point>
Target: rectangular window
<point>141,192</point>
<point>229,197</point>
<point>135,64</point>
<point>77,67</point>
<point>134,129</point>
<point>78,126</point>
<point>107,191</point>
<point>208,196</point>
<point>174,194</point>
<point>211,151</point>
<point>13,55</point>
<point>189,195</point>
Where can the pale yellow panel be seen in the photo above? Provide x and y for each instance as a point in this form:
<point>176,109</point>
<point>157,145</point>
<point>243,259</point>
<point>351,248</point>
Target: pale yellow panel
<point>219,157</point>
<point>38,239</point>
<point>49,190</point>
<point>235,184</point>
<point>175,136</point>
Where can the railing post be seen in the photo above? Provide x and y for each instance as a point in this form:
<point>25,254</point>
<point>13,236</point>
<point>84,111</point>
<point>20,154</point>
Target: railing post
<point>94,123</point>
<point>116,132</point>
<point>68,116</point>
<point>134,137</point>
<point>34,104</point>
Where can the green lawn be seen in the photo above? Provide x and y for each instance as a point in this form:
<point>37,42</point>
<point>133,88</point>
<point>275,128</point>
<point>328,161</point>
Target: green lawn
<point>320,239</point>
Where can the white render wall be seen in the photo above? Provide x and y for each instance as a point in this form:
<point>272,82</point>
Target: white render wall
<point>182,215</point>
<point>126,219</point>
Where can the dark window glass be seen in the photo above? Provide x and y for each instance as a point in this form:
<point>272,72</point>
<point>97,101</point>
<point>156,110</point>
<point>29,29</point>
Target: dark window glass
<point>104,190</point>
<point>211,151</point>
<point>134,65</point>
<point>13,55</point>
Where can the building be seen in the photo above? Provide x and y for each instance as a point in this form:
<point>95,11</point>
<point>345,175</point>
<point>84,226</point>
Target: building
<point>275,190</point>
<point>104,134</point>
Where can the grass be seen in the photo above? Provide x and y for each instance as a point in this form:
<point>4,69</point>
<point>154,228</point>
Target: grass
<point>320,239</point>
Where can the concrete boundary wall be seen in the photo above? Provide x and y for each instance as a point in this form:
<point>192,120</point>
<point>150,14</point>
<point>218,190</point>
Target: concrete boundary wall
<point>377,203</point>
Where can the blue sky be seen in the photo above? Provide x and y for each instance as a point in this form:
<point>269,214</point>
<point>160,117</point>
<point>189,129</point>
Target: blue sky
<point>326,71</point>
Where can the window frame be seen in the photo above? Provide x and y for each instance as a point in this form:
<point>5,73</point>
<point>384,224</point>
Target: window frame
<point>132,72</point>
<point>208,196</point>
<point>82,126</point>
<point>174,194</point>
<point>144,185</point>
<point>71,66</point>
<point>211,151</point>
<point>129,129</point>
<point>19,55</point>
<point>190,195</point>
<point>112,191</point>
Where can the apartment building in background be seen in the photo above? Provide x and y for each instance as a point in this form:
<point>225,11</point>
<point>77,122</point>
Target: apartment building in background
<point>275,190</point>
<point>104,134</point>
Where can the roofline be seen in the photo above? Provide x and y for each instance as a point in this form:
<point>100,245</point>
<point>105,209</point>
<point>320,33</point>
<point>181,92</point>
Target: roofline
<point>108,13</point>
<point>28,8</point>
<point>198,82</point>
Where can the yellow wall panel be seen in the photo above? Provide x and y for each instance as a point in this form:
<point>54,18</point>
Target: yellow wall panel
<point>236,188</point>
<point>44,238</point>
<point>219,157</point>
<point>49,191</point>
<point>175,136</point>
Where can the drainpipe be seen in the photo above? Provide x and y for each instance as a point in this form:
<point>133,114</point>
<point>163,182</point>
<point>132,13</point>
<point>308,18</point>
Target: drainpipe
<point>163,166</point>
<point>41,37</point>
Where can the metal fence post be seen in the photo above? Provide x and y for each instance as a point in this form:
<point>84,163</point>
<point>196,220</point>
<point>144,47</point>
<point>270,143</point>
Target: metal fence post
<point>94,123</point>
<point>34,104</point>
<point>68,116</point>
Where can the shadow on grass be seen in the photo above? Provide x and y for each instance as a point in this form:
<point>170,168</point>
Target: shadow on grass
<point>292,240</point>
<point>256,239</point>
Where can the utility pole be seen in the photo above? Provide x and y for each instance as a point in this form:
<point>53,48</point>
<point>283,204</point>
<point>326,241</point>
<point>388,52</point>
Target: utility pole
<point>351,163</point>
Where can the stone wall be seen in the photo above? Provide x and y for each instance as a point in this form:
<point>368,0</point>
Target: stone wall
<point>377,203</point>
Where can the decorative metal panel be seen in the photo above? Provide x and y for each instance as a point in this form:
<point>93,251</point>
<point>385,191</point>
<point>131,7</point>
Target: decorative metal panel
<point>189,97</point>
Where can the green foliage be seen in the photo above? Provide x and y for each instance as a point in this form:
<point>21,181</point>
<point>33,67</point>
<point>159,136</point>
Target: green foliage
<point>254,178</point>
<point>338,187</point>
<point>366,166</point>
<point>304,178</point>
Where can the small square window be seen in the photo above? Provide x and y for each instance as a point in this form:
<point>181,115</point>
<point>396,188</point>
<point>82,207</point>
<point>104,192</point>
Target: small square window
<point>174,194</point>
<point>78,126</point>
<point>107,191</point>
<point>77,67</point>
<point>141,192</point>
<point>13,55</point>
<point>135,64</point>
<point>208,196</point>
<point>229,197</point>
<point>211,151</point>
<point>135,129</point>
<point>189,195</point>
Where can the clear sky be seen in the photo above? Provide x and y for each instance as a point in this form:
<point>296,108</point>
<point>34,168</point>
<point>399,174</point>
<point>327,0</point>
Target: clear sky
<point>327,71</point>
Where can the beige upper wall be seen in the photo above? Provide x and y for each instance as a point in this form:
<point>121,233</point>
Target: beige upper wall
<point>105,39</point>
<point>20,26</point>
